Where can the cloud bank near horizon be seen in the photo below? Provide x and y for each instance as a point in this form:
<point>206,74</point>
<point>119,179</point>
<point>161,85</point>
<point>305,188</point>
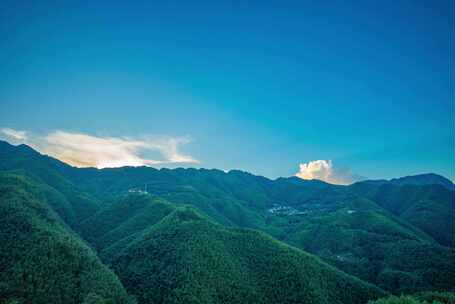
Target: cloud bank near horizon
<point>324,170</point>
<point>84,150</point>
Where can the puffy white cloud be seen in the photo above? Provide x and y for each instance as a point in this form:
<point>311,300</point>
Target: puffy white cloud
<point>325,171</point>
<point>83,150</point>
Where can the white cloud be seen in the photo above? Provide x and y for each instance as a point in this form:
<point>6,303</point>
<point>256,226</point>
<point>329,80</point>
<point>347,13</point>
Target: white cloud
<point>83,150</point>
<point>14,135</point>
<point>325,171</point>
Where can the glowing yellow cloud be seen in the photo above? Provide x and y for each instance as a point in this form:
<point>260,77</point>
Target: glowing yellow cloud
<point>83,150</point>
<point>325,171</point>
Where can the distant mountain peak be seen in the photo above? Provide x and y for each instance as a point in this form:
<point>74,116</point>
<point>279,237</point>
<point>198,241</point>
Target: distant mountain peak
<point>424,179</point>
<point>6,147</point>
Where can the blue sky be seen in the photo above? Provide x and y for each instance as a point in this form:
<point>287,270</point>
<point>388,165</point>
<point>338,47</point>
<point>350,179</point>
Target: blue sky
<point>262,86</point>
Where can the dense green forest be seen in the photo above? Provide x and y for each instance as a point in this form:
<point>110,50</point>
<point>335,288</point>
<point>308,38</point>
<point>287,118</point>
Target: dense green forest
<point>74,235</point>
<point>41,259</point>
<point>186,258</point>
<point>419,298</point>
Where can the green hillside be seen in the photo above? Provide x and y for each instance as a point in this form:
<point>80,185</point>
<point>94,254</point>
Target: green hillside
<point>353,234</point>
<point>424,179</point>
<point>377,248</point>
<point>41,259</point>
<point>234,199</point>
<point>185,258</point>
<point>419,298</point>
<point>51,172</point>
<point>430,207</point>
<point>124,217</point>
<point>361,238</point>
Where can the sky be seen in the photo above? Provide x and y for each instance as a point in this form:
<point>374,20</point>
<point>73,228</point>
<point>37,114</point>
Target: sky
<point>335,90</point>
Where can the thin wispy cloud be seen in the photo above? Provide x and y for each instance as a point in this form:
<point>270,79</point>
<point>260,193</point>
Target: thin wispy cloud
<point>324,170</point>
<point>84,150</point>
<point>14,134</point>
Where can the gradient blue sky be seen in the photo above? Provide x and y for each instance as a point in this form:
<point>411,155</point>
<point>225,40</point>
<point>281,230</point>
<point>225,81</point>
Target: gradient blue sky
<point>257,85</point>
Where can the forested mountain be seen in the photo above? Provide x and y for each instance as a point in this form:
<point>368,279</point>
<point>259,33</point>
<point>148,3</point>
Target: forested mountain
<point>424,179</point>
<point>51,172</point>
<point>419,298</point>
<point>41,259</point>
<point>430,207</point>
<point>124,217</point>
<point>186,258</point>
<point>207,236</point>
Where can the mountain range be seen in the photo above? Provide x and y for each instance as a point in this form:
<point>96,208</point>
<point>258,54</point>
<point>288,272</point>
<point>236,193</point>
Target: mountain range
<point>145,235</point>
